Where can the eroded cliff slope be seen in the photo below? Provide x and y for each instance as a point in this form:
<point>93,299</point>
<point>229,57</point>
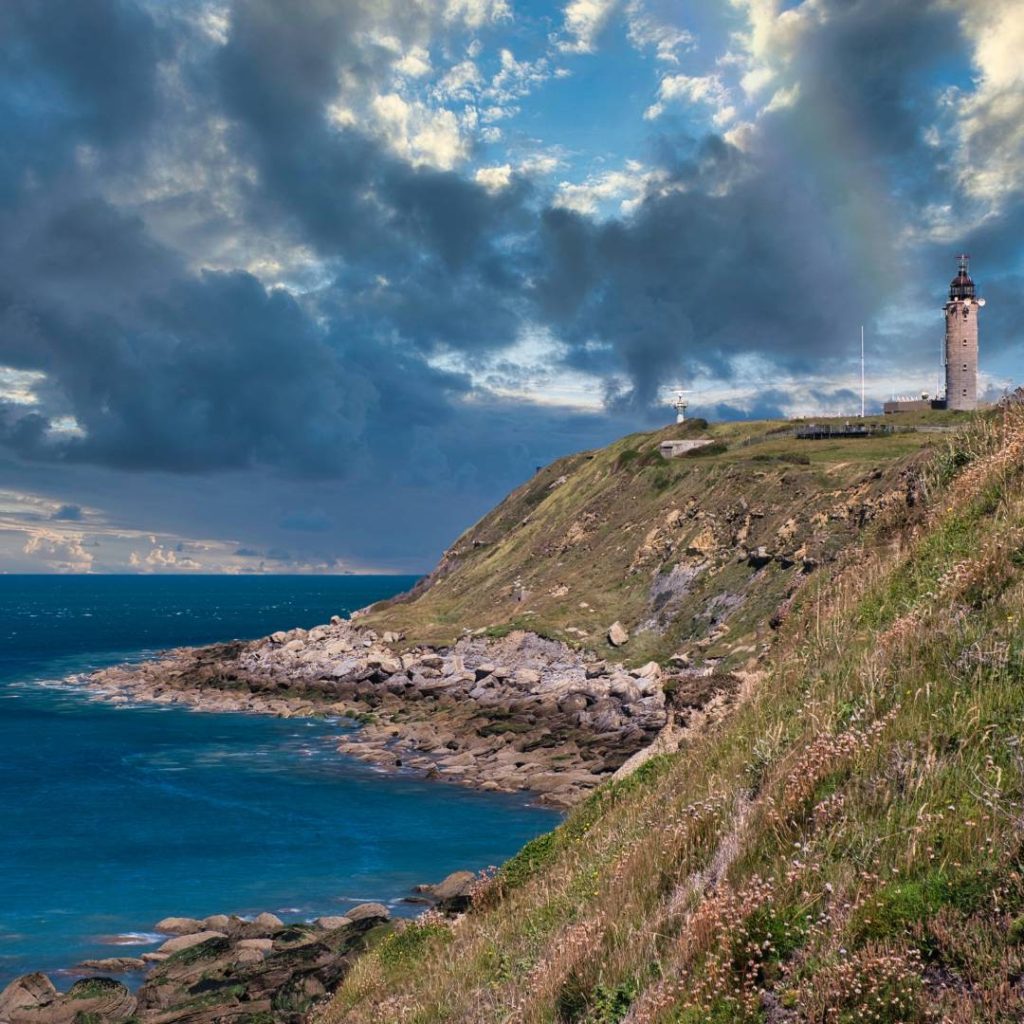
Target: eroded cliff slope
<point>695,556</point>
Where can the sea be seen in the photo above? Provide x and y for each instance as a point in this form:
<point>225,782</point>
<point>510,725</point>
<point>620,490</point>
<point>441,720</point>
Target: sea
<point>112,817</point>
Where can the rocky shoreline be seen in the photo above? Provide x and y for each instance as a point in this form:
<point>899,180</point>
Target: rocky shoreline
<point>517,713</point>
<point>225,968</point>
<point>512,714</point>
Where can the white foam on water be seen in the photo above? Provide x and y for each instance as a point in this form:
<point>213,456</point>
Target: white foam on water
<point>131,939</point>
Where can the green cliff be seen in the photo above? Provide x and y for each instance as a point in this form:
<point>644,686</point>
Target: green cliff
<point>845,843</point>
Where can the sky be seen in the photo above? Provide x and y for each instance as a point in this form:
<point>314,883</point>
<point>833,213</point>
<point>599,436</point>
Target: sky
<point>309,285</point>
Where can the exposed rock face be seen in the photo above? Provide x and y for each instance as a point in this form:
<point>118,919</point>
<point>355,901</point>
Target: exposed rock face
<point>518,713</point>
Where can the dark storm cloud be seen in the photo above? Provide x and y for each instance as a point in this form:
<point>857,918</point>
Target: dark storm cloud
<point>68,513</point>
<point>83,73</point>
<point>161,368</point>
<point>164,368</point>
<point>696,279</point>
<point>440,240</point>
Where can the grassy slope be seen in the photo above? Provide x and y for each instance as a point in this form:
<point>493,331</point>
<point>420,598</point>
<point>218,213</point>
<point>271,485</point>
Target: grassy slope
<point>844,847</point>
<point>589,538</point>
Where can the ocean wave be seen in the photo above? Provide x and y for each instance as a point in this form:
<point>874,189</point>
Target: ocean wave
<point>129,939</point>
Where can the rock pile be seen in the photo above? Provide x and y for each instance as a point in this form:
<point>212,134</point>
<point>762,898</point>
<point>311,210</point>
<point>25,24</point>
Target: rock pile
<point>510,714</point>
<point>243,970</point>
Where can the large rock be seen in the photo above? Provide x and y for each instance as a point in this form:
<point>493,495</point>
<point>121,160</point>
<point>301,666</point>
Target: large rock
<point>176,945</point>
<point>27,991</point>
<point>217,923</point>
<point>179,926</point>
<point>366,911</point>
<point>617,634</point>
<point>332,922</point>
<point>32,999</point>
<point>457,883</point>
<point>453,894</point>
<point>113,964</point>
<point>268,922</point>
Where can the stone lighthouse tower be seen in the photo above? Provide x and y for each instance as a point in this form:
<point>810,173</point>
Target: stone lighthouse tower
<point>962,340</point>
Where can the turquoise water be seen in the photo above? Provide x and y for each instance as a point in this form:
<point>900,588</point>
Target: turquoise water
<point>116,817</point>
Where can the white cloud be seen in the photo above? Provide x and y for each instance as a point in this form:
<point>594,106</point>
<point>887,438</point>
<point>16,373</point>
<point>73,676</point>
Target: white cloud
<point>476,13</point>
<point>517,78</point>
<point>648,32</point>
<point>584,21</point>
<point>497,113</point>
<point>765,47</point>
<point>626,188</point>
<point>420,134</point>
<point>540,163</point>
<point>19,386</point>
<point>160,557</point>
<point>989,121</point>
<point>342,116</point>
<point>462,81</point>
<point>415,63</point>
<point>708,90</point>
<point>60,551</point>
<point>494,179</point>
<point>498,177</point>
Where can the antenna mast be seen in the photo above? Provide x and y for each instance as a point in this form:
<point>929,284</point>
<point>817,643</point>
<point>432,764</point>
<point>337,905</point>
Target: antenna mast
<point>862,371</point>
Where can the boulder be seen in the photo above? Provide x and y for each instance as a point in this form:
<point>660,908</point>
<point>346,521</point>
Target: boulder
<point>617,634</point>
<point>30,990</point>
<point>368,910</point>
<point>32,998</point>
<point>572,702</point>
<point>216,923</point>
<point>179,926</point>
<point>263,944</point>
<point>652,670</point>
<point>113,964</point>
<point>176,945</point>
<point>457,883</point>
<point>268,922</point>
<point>332,923</point>
<point>527,677</point>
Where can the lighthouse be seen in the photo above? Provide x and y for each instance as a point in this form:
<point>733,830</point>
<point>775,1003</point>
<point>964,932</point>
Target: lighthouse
<point>961,354</point>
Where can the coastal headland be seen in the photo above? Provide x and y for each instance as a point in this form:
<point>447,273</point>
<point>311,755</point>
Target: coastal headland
<point>603,615</point>
<point>603,607</point>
